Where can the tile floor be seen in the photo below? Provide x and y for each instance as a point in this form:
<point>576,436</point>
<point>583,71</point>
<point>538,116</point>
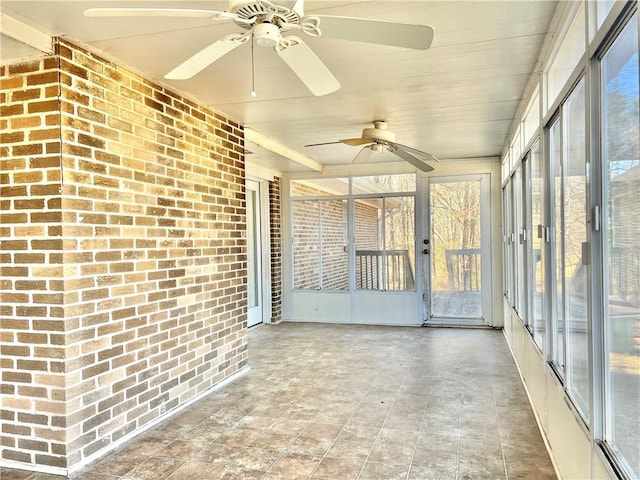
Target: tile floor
<point>338,402</point>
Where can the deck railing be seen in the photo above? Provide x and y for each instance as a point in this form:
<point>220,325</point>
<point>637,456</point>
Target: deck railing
<point>463,269</point>
<point>384,270</point>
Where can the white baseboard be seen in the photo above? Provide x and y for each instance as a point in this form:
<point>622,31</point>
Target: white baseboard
<point>112,446</point>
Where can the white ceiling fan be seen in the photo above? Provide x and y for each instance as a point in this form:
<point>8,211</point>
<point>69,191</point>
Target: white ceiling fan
<point>378,139</point>
<point>266,22</point>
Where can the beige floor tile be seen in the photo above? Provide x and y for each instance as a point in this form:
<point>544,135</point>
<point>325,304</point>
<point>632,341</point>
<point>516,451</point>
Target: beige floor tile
<point>233,472</point>
<point>344,448</point>
<point>196,471</point>
<point>274,440</point>
<point>182,449</point>
<point>338,468</point>
<point>392,453</point>
<point>218,454</point>
<point>154,468</point>
<point>310,445</point>
<point>340,402</point>
<point>295,464</point>
<point>427,473</point>
<point>255,458</point>
<point>376,471</point>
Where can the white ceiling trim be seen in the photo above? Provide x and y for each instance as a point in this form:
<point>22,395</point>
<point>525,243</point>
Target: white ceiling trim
<point>276,147</point>
<point>24,33</point>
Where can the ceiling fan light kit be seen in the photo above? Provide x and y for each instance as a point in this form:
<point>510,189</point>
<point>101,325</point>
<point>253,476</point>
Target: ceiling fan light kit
<point>266,22</point>
<point>266,35</point>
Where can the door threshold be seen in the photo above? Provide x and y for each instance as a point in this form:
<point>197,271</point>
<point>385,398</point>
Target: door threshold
<point>459,325</point>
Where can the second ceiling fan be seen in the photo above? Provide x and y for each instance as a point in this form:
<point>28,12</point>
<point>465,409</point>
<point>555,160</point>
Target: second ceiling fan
<point>265,22</point>
<point>378,139</point>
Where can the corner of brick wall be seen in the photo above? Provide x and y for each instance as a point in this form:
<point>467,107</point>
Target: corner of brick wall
<point>32,323</point>
<point>142,265</point>
<point>276,249</point>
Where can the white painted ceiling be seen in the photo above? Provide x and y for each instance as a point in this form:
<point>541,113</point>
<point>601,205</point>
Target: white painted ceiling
<point>455,100</point>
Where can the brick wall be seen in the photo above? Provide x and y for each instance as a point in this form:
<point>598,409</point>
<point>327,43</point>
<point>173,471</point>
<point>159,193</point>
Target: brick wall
<point>334,252</point>
<point>319,229</point>
<point>276,249</point>
<point>32,321</point>
<point>123,255</point>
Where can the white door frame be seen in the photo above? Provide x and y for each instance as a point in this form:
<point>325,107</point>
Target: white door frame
<point>261,313</point>
<point>486,242</point>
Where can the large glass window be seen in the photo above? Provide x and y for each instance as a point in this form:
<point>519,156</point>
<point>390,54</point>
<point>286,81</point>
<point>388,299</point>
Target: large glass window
<point>320,244</point>
<point>571,327</point>
<point>520,289</point>
<point>557,336</point>
<point>319,187</point>
<point>537,252</point>
<point>575,248</point>
<point>621,172</point>
<point>306,244</point>
<point>531,120</point>
<point>603,7</point>
<point>383,225</point>
<point>507,251</point>
<point>385,243</point>
<point>566,58</point>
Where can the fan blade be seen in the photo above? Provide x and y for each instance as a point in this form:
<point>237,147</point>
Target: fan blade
<point>403,35</point>
<point>356,142</point>
<point>363,155</point>
<point>415,151</point>
<point>352,142</point>
<point>205,57</point>
<point>307,66</point>
<point>156,12</point>
<point>319,144</point>
<point>415,161</point>
<point>298,7</point>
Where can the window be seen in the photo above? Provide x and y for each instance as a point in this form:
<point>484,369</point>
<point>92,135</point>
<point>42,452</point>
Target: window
<point>555,159</point>
<point>536,248</point>
<point>566,58</point>
<point>520,289</point>
<point>384,229</point>
<point>383,225</point>
<point>571,313</point>
<point>320,187</point>
<point>384,183</point>
<point>516,148</point>
<point>505,167</point>
<point>603,7</point>
<point>532,119</point>
<point>385,243</point>
<point>621,245</point>
<point>320,244</point>
<point>581,192</point>
<point>575,248</point>
<point>507,272</point>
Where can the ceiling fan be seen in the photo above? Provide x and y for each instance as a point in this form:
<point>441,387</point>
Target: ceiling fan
<point>265,22</point>
<point>378,139</point>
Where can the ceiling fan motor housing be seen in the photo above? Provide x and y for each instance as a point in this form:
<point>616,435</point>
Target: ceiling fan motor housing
<point>379,133</point>
<point>280,12</point>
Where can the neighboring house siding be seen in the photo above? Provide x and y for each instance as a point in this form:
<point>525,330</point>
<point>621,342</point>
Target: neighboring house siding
<point>306,244</point>
<point>335,257</point>
<point>123,255</point>
<point>367,226</point>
